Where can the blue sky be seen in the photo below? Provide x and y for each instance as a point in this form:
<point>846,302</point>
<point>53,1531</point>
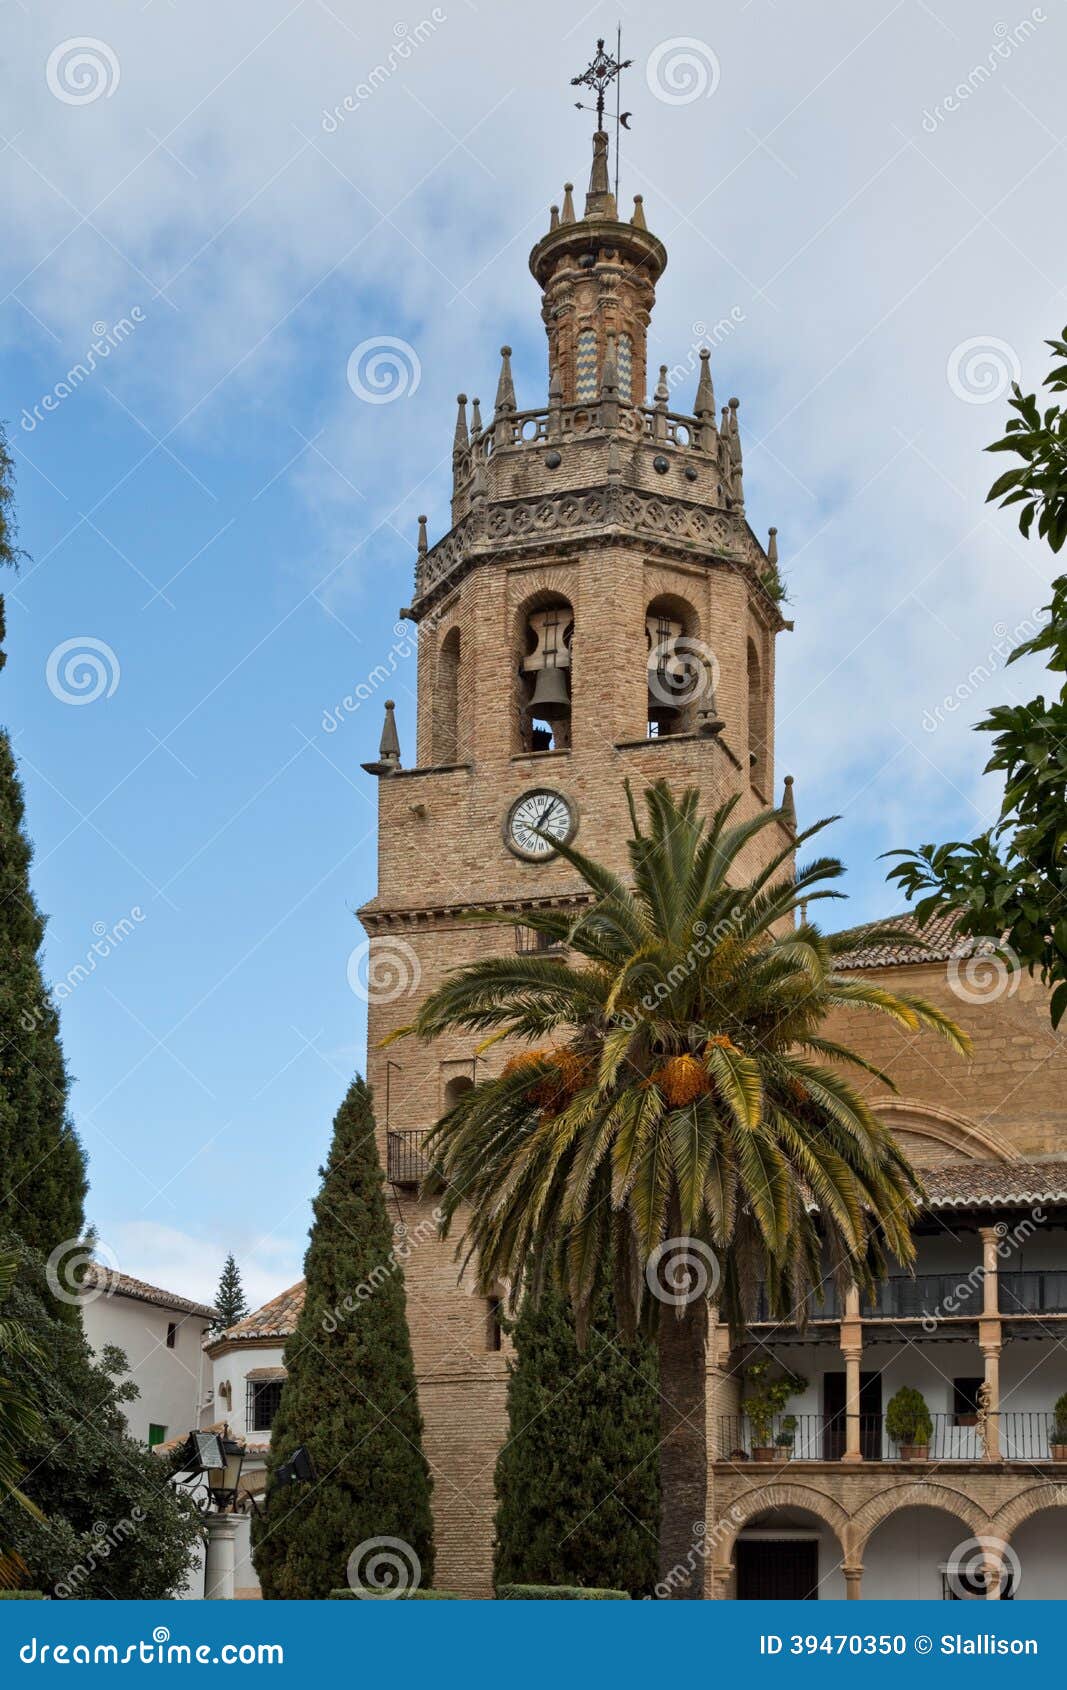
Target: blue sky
<point>868,197</point>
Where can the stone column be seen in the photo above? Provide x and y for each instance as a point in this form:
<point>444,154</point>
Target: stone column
<point>992,1569</point>
<point>220,1560</point>
<point>989,1339</point>
<point>721,1575</point>
<point>853,1579</point>
<point>852,1349</point>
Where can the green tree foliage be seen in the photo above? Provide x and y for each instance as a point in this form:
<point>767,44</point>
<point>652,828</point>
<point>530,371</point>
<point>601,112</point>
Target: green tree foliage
<point>349,1398</point>
<point>230,1297</point>
<point>1010,884</point>
<point>688,1108</point>
<point>113,1526</point>
<point>577,1481</point>
<point>42,1168</point>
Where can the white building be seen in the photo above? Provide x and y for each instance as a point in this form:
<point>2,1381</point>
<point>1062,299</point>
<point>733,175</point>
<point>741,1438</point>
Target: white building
<point>162,1336</point>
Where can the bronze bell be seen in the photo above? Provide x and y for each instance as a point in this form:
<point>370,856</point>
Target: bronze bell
<point>550,700</point>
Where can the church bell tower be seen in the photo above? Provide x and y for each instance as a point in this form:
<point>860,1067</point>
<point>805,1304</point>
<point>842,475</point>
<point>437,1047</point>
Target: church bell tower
<point>599,610</point>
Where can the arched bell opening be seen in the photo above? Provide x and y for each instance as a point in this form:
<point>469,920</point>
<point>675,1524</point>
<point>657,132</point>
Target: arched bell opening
<point>545,676</point>
<point>680,680</point>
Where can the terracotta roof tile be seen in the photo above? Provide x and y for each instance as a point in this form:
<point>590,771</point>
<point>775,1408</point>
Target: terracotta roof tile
<point>939,936</point>
<point>100,1278</point>
<point>276,1319</point>
<point>267,1375</point>
<point>964,1185</point>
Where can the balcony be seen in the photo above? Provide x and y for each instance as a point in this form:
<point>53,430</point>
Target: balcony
<point>942,1296</point>
<point>821,1437</point>
<point>405,1163</point>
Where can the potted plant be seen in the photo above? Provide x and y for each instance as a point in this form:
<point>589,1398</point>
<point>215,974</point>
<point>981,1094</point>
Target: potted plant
<point>766,1399</point>
<point>785,1437</point>
<point>908,1422</point>
<point>1058,1435</point>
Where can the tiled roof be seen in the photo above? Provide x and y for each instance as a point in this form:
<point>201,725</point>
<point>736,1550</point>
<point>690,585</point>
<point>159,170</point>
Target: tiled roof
<point>939,937</point>
<point>172,1445</point>
<point>100,1278</point>
<point>267,1375</point>
<point>965,1185</point>
<point>276,1319</point>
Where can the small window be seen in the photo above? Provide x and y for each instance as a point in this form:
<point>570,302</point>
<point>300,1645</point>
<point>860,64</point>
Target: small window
<point>965,1400</point>
<point>172,1333</point>
<point>586,384</point>
<point>526,939</point>
<point>493,1328</point>
<point>263,1399</point>
<point>156,1435</point>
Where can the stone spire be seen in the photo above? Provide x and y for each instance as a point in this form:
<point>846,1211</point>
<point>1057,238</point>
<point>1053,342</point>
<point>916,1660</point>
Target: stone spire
<point>567,214</point>
<point>600,201</point>
<point>789,808</point>
<point>637,221</point>
<point>705,400</point>
<point>505,387</point>
<point>389,747</point>
<point>460,440</point>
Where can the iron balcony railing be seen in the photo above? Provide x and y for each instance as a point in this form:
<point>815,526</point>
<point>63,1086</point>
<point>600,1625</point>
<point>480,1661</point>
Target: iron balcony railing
<point>942,1296</point>
<point>1023,1436</point>
<point>405,1163</point>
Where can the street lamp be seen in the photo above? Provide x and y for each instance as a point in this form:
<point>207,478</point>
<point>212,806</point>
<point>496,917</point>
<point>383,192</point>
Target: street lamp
<point>215,1460</point>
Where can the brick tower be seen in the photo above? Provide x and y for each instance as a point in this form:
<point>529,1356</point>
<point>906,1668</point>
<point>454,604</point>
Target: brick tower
<point>599,609</point>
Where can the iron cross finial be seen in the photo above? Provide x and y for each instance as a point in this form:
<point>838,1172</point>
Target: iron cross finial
<point>598,75</point>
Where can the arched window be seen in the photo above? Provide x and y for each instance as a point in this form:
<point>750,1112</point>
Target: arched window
<point>624,358</point>
<point>446,700</point>
<point>679,672</point>
<point>757,722</point>
<point>455,1089</point>
<point>545,676</point>
<point>585,383</point>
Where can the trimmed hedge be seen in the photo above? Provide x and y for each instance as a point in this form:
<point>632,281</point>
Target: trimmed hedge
<point>557,1593</point>
<point>22,1595</point>
<point>404,1596</point>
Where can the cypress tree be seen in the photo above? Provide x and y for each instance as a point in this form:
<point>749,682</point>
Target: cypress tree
<point>349,1398</point>
<point>230,1302</point>
<point>42,1167</point>
<point>577,1481</point>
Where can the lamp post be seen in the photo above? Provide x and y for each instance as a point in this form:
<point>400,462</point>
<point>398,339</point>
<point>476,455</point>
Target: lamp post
<point>211,1468</point>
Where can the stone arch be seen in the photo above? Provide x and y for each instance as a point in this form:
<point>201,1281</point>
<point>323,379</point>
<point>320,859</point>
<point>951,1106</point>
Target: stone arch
<point>680,678</point>
<point>539,601</point>
<point>764,1497</point>
<point>914,1495</point>
<point>955,1137</point>
<point>1033,1501</point>
<point>446,697</point>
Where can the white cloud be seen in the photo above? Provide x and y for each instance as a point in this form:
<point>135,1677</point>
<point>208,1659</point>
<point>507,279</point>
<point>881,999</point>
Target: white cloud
<point>190,1265</point>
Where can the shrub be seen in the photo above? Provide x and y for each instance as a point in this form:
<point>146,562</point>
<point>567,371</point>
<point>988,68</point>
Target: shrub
<point>907,1419</point>
<point>383,1596</point>
<point>1059,1420</point>
<point>557,1593</point>
<point>21,1595</point>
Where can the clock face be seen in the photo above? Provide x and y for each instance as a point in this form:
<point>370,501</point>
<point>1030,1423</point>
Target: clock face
<point>545,811</point>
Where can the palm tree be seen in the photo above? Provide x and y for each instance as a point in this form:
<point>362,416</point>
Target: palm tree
<point>688,1128</point>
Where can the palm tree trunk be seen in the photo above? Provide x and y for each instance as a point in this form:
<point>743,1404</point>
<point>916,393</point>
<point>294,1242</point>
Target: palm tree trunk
<point>683,1454</point>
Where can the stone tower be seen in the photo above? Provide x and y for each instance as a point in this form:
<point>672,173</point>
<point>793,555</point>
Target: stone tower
<point>598,610</point>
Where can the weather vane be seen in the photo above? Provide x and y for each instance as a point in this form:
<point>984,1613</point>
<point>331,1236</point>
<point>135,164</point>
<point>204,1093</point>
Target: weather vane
<point>598,75</point>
